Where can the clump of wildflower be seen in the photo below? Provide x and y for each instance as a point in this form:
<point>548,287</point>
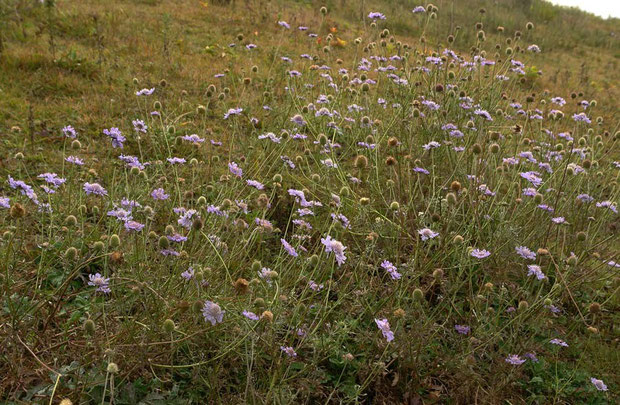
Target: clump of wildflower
<point>390,268</point>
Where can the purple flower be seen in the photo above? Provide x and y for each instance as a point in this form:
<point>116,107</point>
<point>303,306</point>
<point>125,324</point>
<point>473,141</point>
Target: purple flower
<point>116,136</point>
<point>480,253</point>
<point>94,188</point>
<point>581,117</point>
<point>426,234</point>
<point>250,315</point>
<point>233,111</point>
<point>375,15</point>
<point>607,204</point>
<point>145,92</point>
<point>188,274</point>
<point>384,326</point>
<point>212,312</point>
<point>462,329</point>
<point>514,359</point>
<point>284,24</point>
<point>599,384</point>
<point>193,138</point>
<point>75,160</point>
<point>558,342</point>
<point>289,351</point>
<point>234,169</point>
<point>139,126</point>
<point>535,270</point>
<point>4,202</point>
<point>255,184</point>
<point>176,160</point>
<point>53,179</point>
<point>532,177</point>
<point>159,194</point>
<point>335,247</point>
<point>532,357</point>
<point>97,280</point>
<point>390,268</point>
<point>558,220</point>
<point>418,9</point>
<point>289,249</point>
<point>69,132</point>
<point>525,253</point>
<point>133,226</point>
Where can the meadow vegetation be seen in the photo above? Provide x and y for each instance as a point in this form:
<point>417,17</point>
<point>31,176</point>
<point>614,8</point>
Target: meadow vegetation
<point>308,202</point>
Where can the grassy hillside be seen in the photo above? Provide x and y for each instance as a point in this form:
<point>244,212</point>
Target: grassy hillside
<point>201,202</point>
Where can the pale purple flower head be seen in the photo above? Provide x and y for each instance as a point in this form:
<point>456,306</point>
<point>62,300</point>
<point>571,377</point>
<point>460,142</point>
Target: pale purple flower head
<point>390,268</point>
<point>558,342</point>
<point>250,315</point>
<point>515,360</point>
<point>159,194</point>
<point>375,15</point>
<point>426,234</point>
<point>257,185</point>
<point>289,249</point>
<point>525,253</point>
<point>535,270</point>
<point>97,280</point>
<point>116,136</point>
<point>480,253</point>
<point>4,202</point>
<point>94,188</point>
<point>145,92</point>
<point>384,326</point>
<point>212,312</point>
<point>188,274</point>
<point>74,160</point>
<point>235,169</point>
<point>133,226</point>
<point>69,132</point>
<point>462,329</point>
<point>289,351</point>
<point>599,384</point>
<point>335,247</point>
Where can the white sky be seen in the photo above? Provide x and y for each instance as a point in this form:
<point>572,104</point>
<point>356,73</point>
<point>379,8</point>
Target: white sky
<point>603,8</point>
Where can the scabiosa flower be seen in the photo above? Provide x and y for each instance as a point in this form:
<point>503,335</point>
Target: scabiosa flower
<point>212,313</point>
<point>133,226</point>
<point>533,48</point>
<point>145,92</point>
<point>335,247</point>
<point>188,274</point>
<point>193,138</point>
<point>375,15</point>
<point>169,252</point>
<point>390,268</point>
<point>250,315</point>
<point>176,160</point>
<point>69,132</point>
<point>289,351</point>
<point>581,117</point>
<point>235,169</point>
<point>535,270</point>
<point>599,384</point>
<point>257,185</point>
<point>483,113</point>
<point>94,188</point>
<point>426,234</point>
<point>480,253</point>
<point>418,10</point>
<point>159,194</point>
<point>525,253</point>
<point>558,220</point>
<point>462,329</point>
<point>139,126</point>
<point>233,111</point>
<point>607,204</point>
<point>4,202</point>
<point>186,219</point>
<point>116,136</point>
<point>284,24</point>
<point>384,326</point>
<point>421,170</point>
<point>431,145</point>
<point>97,280</point>
<point>289,249</point>
<point>514,359</point>
<point>74,160</point>
<point>299,120</point>
<point>558,342</point>
<point>532,177</point>
<point>53,179</point>
<point>532,357</point>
